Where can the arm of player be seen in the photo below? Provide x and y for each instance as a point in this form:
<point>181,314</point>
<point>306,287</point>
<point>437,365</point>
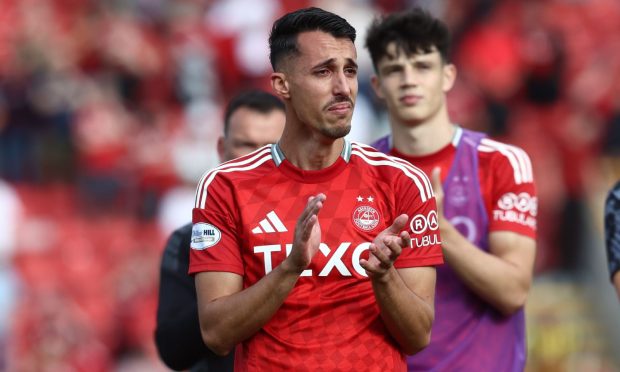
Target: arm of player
<point>405,296</point>
<point>502,277</point>
<point>230,314</point>
<point>616,281</point>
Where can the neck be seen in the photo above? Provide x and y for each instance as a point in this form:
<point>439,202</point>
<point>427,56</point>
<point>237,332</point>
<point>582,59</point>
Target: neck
<point>424,138</point>
<point>310,151</point>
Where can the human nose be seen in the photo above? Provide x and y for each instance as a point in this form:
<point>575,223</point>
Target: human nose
<point>341,84</point>
<point>410,78</point>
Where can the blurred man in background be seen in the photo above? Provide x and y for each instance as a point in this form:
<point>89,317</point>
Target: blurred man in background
<point>486,201</point>
<point>612,235</point>
<point>252,119</point>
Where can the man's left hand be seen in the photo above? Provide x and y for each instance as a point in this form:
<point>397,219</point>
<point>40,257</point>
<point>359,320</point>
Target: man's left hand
<point>386,248</point>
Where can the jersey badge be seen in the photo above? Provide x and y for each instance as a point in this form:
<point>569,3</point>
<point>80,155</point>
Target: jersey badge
<point>459,193</point>
<point>365,217</point>
<point>204,235</point>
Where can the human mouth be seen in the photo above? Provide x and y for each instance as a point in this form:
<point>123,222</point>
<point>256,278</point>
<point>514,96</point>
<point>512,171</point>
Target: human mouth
<point>340,108</point>
<point>410,99</point>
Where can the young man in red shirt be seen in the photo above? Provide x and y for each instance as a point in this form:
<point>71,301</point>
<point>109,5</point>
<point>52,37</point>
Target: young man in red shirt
<point>486,201</point>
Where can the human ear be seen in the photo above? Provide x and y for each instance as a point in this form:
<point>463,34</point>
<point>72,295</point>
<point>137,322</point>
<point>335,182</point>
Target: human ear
<point>449,77</point>
<point>280,85</point>
<point>221,148</point>
<point>376,86</point>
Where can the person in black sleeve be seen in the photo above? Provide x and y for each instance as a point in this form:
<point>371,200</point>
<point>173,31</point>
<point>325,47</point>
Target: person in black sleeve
<point>612,235</point>
<point>252,120</point>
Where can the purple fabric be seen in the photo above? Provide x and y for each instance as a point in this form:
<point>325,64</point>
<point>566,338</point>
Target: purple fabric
<point>383,144</point>
<point>468,334</point>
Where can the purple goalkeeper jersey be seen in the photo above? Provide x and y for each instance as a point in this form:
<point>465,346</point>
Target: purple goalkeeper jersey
<point>468,334</point>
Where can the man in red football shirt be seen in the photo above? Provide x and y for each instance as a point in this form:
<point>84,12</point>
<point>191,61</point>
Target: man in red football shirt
<point>315,253</point>
<point>488,214</point>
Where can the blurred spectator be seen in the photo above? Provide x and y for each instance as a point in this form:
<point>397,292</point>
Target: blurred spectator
<point>10,220</point>
<point>101,131</point>
<point>192,148</point>
<point>58,337</point>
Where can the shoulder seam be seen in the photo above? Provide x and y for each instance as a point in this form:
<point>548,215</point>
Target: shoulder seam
<point>420,179</point>
<point>237,165</point>
<point>517,157</point>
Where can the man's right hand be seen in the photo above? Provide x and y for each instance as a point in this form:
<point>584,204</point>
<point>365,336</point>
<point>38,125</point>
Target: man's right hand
<point>307,236</point>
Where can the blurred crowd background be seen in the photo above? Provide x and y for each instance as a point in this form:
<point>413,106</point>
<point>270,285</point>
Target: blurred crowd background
<point>110,112</point>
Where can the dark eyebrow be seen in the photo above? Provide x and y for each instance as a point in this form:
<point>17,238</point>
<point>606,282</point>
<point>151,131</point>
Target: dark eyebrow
<point>391,64</point>
<point>391,67</point>
<point>351,62</point>
<point>330,61</point>
<point>325,63</point>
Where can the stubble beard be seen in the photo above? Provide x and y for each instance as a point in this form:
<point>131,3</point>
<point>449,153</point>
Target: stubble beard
<point>336,132</point>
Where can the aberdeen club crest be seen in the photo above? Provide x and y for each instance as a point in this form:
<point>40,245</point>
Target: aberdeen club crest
<point>365,217</point>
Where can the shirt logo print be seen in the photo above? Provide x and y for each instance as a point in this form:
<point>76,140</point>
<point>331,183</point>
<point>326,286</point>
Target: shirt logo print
<point>365,217</point>
<point>270,224</point>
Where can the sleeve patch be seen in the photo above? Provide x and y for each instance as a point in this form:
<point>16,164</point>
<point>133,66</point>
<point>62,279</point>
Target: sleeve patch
<point>204,235</point>
<point>521,209</point>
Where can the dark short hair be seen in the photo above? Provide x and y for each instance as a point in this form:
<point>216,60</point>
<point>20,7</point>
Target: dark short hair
<point>256,100</point>
<point>413,31</point>
<point>283,37</point>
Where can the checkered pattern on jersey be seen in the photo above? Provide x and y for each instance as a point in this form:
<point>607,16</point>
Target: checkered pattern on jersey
<point>330,320</point>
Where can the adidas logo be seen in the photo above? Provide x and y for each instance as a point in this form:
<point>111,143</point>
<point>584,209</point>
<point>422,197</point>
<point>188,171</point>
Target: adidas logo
<point>266,227</point>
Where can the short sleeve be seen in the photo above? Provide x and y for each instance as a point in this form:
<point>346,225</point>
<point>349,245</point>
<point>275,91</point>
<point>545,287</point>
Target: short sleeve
<point>414,197</point>
<point>514,202</point>
<point>214,243</point>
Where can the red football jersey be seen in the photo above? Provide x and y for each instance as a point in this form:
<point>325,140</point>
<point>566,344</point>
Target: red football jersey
<point>506,183</point>
<point>244,221</point>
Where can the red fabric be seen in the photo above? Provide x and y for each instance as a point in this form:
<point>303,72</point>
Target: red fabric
<point>498,174</point>
<point>330,319</point>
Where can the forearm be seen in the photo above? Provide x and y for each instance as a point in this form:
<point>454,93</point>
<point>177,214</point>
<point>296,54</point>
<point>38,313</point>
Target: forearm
<point>616,281</point>
<point>500,283</point>
<point>228,320</point>
<point>407,317</point>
